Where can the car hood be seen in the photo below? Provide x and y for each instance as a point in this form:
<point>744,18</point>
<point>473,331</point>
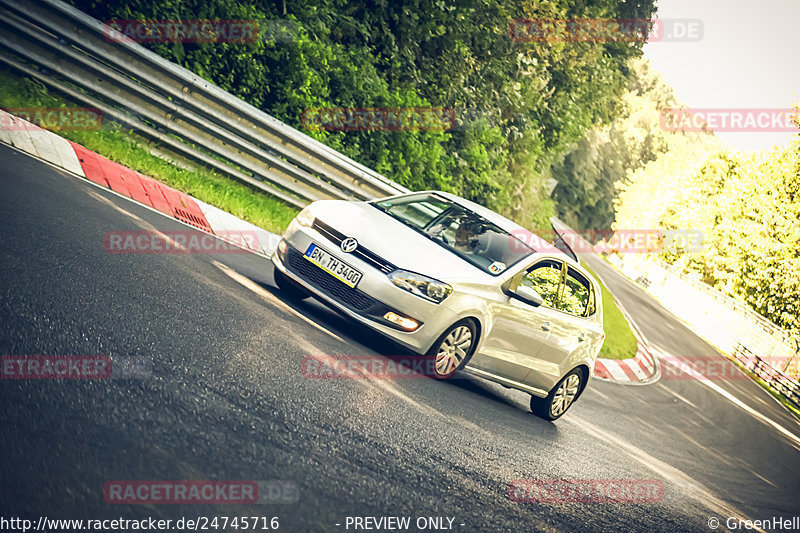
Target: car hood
<point>394,241</point>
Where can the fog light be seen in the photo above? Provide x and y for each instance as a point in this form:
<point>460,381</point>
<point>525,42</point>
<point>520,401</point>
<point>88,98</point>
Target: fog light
<point>404,322</point>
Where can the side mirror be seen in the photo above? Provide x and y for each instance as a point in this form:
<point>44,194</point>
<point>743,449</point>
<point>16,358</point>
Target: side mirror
<point>528,295</point>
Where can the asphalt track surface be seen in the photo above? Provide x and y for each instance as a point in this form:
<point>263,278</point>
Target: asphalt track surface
<point>224,398</point>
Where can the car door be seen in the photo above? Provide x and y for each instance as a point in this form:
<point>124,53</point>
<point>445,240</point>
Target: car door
<point>570,331</point>
<point>519,330</point>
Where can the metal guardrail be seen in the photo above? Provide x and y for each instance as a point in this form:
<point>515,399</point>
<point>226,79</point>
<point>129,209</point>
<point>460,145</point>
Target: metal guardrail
<point>773,377</point>
<point>735,329</point>
<point>184,115</point>
<point>758,334</point>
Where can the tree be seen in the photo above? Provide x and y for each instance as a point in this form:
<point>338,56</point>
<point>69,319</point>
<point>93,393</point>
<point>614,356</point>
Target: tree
<point>747,206</point>
<point>520,104</point>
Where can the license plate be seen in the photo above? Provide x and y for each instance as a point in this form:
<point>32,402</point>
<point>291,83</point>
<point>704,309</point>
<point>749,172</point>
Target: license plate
<point>333,266</point>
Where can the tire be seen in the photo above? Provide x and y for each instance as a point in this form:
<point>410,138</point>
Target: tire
<point>288,286</point>
<point>453,349</point>
<point>560,398</point>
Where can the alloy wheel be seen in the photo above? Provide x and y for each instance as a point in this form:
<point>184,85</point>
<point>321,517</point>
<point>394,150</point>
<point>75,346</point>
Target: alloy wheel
<point>565,395</point>
<point>452,351</point>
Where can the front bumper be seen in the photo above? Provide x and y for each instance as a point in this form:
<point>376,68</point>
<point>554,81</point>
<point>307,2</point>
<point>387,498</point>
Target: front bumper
<point>374,296</point>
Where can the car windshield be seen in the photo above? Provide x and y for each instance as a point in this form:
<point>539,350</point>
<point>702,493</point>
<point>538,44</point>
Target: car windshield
<point>459,230</point>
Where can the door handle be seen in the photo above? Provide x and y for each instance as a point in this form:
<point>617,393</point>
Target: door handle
<point>546,326</point>
<point>581,337</point>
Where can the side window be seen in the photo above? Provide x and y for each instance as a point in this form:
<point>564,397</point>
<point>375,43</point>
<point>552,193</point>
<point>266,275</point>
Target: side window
<point>577,296</point>
<point>544,278</point>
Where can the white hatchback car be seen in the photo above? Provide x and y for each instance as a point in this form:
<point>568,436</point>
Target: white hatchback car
<point>456,282</point>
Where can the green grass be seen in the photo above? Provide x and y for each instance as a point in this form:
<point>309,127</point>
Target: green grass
<point>620,341</point>
<point>129,149</point>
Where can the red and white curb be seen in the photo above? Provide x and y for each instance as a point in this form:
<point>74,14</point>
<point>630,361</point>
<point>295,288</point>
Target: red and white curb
<point>82,162</point>
<point>641,369</point>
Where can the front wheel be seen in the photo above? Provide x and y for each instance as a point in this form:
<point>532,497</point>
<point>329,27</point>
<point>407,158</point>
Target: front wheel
<point>288,286</point>
<point>453,349</point>
<point>560,398</point>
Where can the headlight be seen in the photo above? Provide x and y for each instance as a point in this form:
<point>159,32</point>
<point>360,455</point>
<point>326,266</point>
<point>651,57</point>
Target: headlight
<point>420,285</point>
<point>305,218</point>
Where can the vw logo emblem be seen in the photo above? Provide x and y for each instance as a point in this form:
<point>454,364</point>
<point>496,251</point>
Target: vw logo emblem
<point>349,245</point>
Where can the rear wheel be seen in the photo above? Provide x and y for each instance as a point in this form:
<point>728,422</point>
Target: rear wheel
<point>560,398</point>
<point>453,349</point>
<point>289,287</point>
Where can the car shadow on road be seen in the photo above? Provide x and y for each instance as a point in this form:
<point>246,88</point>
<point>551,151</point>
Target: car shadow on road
<point>338,323</point>
<point>513,403</point>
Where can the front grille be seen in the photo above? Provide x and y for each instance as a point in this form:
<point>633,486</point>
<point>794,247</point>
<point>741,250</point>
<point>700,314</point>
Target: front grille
<point>328,284</point>
<point>369,257</point>
<point>331,234</point>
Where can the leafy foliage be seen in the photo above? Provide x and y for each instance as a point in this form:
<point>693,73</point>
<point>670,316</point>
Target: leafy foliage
<point>520,104</point>
<point>587,175</point>
<point>748,208</point>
